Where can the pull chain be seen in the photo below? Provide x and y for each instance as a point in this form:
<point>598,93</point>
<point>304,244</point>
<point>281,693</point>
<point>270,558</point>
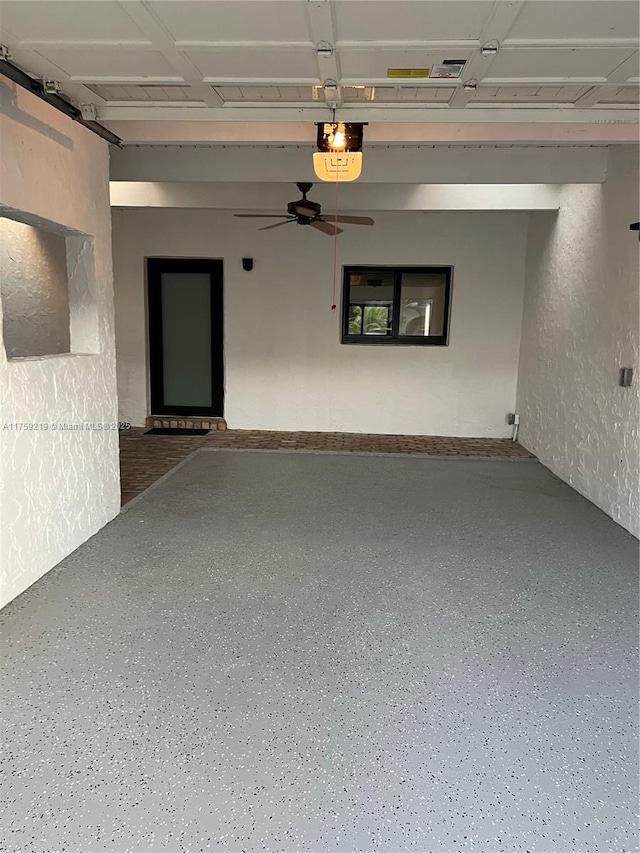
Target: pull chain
<point>335,251</point>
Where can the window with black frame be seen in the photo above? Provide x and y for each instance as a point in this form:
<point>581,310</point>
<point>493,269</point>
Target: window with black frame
<point>396,305</point>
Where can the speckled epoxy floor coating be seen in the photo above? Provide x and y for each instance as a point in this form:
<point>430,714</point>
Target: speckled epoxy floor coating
<point>297,652</point>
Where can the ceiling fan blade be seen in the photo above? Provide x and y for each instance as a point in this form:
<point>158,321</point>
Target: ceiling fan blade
<point>326,227</point>
<point>260,215</point>
<point>277,224</point>
<point>348,220</point>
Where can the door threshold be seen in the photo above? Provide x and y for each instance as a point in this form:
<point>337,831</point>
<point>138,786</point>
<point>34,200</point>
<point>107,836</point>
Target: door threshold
<point>172,422</point>
<point>177,432</point>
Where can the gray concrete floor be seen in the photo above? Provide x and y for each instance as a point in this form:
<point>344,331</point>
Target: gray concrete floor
<point>298,652</point>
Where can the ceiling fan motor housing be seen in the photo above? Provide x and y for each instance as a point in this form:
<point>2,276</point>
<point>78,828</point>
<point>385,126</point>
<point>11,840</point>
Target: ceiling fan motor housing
<point>304,209</point>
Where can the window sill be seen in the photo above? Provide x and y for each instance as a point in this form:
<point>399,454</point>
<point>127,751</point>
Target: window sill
<point>395,342</point>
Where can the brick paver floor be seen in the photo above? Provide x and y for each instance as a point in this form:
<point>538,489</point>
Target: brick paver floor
<point>145,458</point>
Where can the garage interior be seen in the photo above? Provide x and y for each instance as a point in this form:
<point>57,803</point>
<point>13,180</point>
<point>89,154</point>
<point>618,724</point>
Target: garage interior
<point>374,585</point>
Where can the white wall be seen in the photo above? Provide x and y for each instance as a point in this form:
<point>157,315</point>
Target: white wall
<point>285,366</point>
<point>580,326</point>
<point>57,487</point>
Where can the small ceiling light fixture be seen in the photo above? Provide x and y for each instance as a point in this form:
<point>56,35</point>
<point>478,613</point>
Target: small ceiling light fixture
<point>470,85</point>
<point>337,137</point>
<point>490,48</point>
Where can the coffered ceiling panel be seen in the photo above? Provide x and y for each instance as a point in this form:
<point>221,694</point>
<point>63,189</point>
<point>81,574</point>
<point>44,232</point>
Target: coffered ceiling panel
<point>99,62</point>
<point>372,20</point>
<point>557,62</point>
<point>566,19</point>
<point>226,64</point>
<point>67,20</point>
<point>372,63</point>
<point>230,20</point>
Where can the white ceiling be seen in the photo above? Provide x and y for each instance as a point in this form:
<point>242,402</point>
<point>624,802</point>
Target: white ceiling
<point>256,60</point>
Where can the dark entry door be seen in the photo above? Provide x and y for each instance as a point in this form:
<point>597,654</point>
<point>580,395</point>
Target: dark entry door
<point>185,336</point>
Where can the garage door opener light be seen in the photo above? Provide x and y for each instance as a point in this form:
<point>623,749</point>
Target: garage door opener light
<point>339,155</point>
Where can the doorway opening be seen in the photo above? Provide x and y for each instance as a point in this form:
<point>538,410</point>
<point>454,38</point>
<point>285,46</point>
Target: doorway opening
<point>186,346</point>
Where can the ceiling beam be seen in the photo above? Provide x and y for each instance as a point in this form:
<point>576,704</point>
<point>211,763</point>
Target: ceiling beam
<point>369,112</point>
<point>322,31</point>
<point>443,132</point>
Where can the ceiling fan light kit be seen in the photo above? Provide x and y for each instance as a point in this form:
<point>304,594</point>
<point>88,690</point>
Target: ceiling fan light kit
<point>303,211</point>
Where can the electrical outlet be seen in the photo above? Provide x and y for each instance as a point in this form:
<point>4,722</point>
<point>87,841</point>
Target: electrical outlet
<point>625,377</point>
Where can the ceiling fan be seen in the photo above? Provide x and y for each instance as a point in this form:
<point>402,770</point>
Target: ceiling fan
<point>305,212</point>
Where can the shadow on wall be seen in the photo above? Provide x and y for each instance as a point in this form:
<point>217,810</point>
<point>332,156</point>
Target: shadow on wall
<point>580,328</point>
<point>34,291</point>
<point>47,289</point>
<point>9,96</point>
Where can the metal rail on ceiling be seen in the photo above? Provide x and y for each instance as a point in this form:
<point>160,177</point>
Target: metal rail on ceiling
<point>36,87</point>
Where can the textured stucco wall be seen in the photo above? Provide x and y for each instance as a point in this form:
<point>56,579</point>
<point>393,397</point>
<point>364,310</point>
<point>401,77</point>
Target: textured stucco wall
<point>284,365</point>
<point>34,290</point>
<point>57,487</point>
<point>580,325</point>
